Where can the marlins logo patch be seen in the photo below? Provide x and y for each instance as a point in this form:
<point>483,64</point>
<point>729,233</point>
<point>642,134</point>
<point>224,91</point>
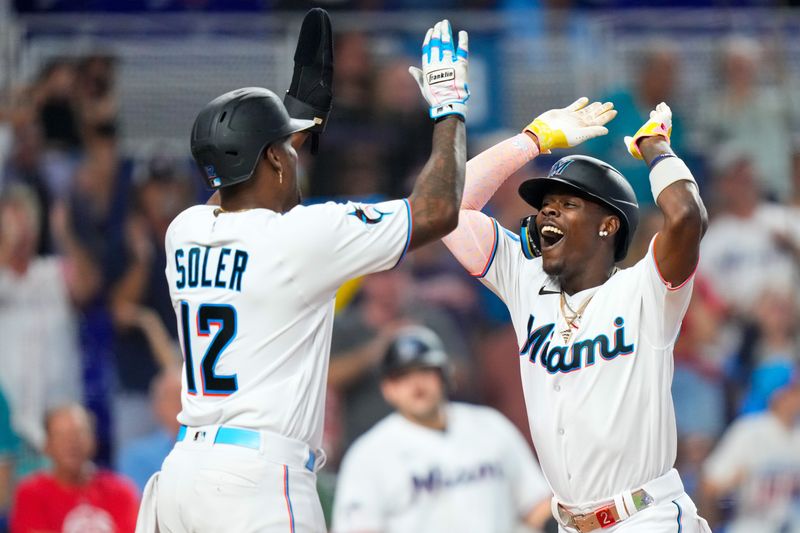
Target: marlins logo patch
<point>368,214</point>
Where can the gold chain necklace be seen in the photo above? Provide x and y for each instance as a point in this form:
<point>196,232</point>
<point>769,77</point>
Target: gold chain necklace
<point>220,210</point>
<point>573,320</point>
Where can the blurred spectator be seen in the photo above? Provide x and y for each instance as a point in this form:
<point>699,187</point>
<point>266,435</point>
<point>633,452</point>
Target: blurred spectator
<point>95,93</point>
<point>757,120</point>
<point>142,457</point>
<point>361,335</point>
<point>144,319</point>
<point>744,252</point>
<point>54,104</point>
<point>74,496</point>
<point>758,459</point>
<point>40,360</point>
<point>655,82</point>
<point>402,126</point>
<point>347,162</point>
<point>9,444</point>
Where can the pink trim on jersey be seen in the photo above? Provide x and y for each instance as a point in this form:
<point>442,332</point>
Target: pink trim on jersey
<point>666,283</point>
<point>491,256</point>
<point>286,496</point>
<point>474,241</point>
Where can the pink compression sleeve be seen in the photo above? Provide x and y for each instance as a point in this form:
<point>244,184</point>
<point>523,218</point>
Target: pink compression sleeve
<point>473,241</point>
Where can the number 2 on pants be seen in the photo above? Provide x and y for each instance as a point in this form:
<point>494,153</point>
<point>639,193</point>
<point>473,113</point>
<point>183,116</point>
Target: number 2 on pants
<point>224,317</point>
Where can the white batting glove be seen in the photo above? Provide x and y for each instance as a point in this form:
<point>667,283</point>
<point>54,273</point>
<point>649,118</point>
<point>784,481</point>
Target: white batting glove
<point>659,124</point>
<point>443,78</point>
<point>572,125</point>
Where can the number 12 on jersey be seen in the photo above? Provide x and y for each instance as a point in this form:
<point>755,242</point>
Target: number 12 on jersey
<point>224,317</point>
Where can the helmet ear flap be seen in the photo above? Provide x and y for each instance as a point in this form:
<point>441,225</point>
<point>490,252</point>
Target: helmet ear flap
<point>529,237</point>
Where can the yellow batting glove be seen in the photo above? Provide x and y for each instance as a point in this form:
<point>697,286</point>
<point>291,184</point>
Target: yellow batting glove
<point>572,125</point>
<point>659,124</point>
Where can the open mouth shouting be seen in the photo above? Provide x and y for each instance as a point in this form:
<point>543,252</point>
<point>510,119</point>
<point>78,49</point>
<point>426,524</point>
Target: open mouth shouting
<point>550,236</point>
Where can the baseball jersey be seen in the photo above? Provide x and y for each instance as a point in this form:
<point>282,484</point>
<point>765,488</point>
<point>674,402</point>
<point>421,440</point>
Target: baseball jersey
<point>254,293</point>
<point>599,403</point>
<point>767,456</point>
<point>477,475</point>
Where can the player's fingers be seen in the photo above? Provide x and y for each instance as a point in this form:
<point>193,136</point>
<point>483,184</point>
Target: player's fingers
<point>627,140</point>
<point>426,47</point>
<point>605,118</point>
<point>578,104</point>
<point>463,45</point>
<point>448,49</point>
<point>436,42</point>
<point>593,131</point>
<point>591,109</point>
<point>417,75</point>
<point>664,108</point>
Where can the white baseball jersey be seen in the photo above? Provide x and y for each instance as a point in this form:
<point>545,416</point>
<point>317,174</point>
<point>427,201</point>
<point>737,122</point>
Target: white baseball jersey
<point>767,456</point>
<point>254,292</point>
<point>477,475</point>
<point>599,405</point>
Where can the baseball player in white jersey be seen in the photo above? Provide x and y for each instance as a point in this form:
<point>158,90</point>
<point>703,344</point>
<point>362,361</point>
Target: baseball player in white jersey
<point>253,281</point>
<point>595,342</point>
<point>435,466</point>
<point>757,461</point>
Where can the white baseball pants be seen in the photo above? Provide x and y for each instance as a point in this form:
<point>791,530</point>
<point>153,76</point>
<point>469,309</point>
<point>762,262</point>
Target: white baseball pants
<point>205,487</point>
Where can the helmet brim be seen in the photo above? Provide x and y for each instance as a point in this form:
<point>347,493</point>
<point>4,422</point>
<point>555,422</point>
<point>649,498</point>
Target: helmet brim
<point>533,191</point>
<point>297,125</point>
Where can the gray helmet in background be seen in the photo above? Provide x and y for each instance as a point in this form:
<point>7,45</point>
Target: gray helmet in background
<point>415,347</point>
<point>231,132</point>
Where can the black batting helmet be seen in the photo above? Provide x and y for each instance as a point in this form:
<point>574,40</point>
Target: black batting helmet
<point>415,347</point>
<point>231,132</point>
<point>593,178</point>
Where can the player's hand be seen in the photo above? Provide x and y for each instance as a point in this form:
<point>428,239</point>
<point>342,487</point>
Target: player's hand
<point>443,77</point>
<point>658,125</point>
<point>310,94</point>
<point>572,125</point>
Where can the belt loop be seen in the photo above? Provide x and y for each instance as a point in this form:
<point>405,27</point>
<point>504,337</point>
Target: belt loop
<point>618,503</point>
<point>627,498</point>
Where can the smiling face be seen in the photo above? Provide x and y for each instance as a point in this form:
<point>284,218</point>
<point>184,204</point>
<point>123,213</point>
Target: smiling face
<point>569,225</point>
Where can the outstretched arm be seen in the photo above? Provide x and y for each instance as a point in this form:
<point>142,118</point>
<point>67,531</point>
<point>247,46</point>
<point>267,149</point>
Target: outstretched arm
<point>437,192</point>
<point>472,243</point>
<point>677,245</point>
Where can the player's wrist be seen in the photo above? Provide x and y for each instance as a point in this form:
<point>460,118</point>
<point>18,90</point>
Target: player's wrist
<point>449,109</point>
<point>666,171</point>
<point>532,136</point>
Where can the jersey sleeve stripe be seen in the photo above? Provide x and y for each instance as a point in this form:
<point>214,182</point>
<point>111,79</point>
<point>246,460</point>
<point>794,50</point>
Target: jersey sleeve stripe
<point>410,229</point>
<point>288,500</point>
<point>666,283</point>
<point>494,252</point>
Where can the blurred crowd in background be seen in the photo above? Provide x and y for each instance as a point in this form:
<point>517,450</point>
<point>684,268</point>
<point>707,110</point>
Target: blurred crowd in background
<point>90,360</point>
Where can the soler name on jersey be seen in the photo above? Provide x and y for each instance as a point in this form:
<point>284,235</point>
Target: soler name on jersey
<point>206,266</point>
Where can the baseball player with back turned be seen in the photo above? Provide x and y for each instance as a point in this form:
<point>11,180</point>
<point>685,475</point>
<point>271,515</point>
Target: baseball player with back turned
<point>595,342</point>
<point>434,465</point>
<point>253,281</point>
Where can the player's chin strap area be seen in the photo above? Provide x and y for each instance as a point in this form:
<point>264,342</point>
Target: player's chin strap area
<point>272,446</point>
<point>528,237</point>
<point>621,507</point>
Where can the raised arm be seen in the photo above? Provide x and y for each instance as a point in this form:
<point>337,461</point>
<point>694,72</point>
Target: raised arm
<point>437,192</point>
<point>473,241</point>
<point>677,245</point>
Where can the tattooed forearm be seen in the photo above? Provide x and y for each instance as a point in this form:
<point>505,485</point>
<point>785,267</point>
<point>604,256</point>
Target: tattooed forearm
<point>437,193</point>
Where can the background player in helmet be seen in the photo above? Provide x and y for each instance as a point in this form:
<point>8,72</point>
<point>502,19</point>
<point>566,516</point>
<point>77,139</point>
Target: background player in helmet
<point>435,465</point>
<point>595,342</point>
<point>253,284</point>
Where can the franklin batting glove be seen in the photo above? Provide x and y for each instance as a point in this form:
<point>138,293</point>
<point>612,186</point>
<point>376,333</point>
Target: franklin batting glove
<point>443,77</point>
<point>659,124</point>
<point>572,125</point>
<point>310,95</point>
